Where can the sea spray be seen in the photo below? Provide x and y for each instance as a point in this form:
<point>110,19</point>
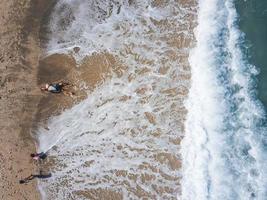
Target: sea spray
<point>224,149</point>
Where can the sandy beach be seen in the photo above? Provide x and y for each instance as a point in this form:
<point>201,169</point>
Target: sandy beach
<point>20,95</point>
<point>22,105</point>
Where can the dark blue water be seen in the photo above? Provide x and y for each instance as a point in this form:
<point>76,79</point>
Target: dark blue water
<point>253,22</point>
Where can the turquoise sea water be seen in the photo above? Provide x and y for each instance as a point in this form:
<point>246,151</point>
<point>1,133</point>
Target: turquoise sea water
<point>253,22</point>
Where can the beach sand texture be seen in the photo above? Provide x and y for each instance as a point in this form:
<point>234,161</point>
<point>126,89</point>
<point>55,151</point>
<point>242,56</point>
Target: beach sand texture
<point>20,95</point>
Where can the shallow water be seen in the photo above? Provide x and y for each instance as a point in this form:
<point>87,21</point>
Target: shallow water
<point>122,141</point>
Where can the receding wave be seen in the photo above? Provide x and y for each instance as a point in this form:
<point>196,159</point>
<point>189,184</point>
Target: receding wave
<point>224,150</point>
<point>123,140</point>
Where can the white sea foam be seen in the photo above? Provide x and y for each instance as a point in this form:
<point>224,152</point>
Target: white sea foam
<point>224,149</point>
<point>104,142</point>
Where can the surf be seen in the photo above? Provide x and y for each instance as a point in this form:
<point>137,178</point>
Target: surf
<point>123,139</point>
<point>224,148</point>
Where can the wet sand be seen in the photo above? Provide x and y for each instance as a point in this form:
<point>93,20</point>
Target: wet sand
<point>93,72</point>
<point>20,95</point>
<point>84,78</point>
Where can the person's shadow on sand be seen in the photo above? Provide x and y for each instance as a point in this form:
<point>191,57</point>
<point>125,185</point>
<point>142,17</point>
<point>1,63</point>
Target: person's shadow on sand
<point>41,175</point>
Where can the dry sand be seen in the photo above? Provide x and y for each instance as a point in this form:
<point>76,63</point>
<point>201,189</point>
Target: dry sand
<point>20,95</point>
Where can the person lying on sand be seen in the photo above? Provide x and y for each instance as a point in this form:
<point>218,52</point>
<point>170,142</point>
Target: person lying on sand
<point>37,156</point>
<point>33,176</point>
<point>57,88</point>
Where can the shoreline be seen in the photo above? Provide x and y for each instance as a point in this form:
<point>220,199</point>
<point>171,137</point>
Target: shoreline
<point>161,164</point>
<point>19,53</point>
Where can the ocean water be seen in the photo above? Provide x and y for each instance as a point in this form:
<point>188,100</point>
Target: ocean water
<point>253,16</point>
<point>123,141</point>
<point>225,146</point>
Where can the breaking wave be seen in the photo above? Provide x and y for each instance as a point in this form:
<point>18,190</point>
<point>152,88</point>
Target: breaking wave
<point>224,151</point>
